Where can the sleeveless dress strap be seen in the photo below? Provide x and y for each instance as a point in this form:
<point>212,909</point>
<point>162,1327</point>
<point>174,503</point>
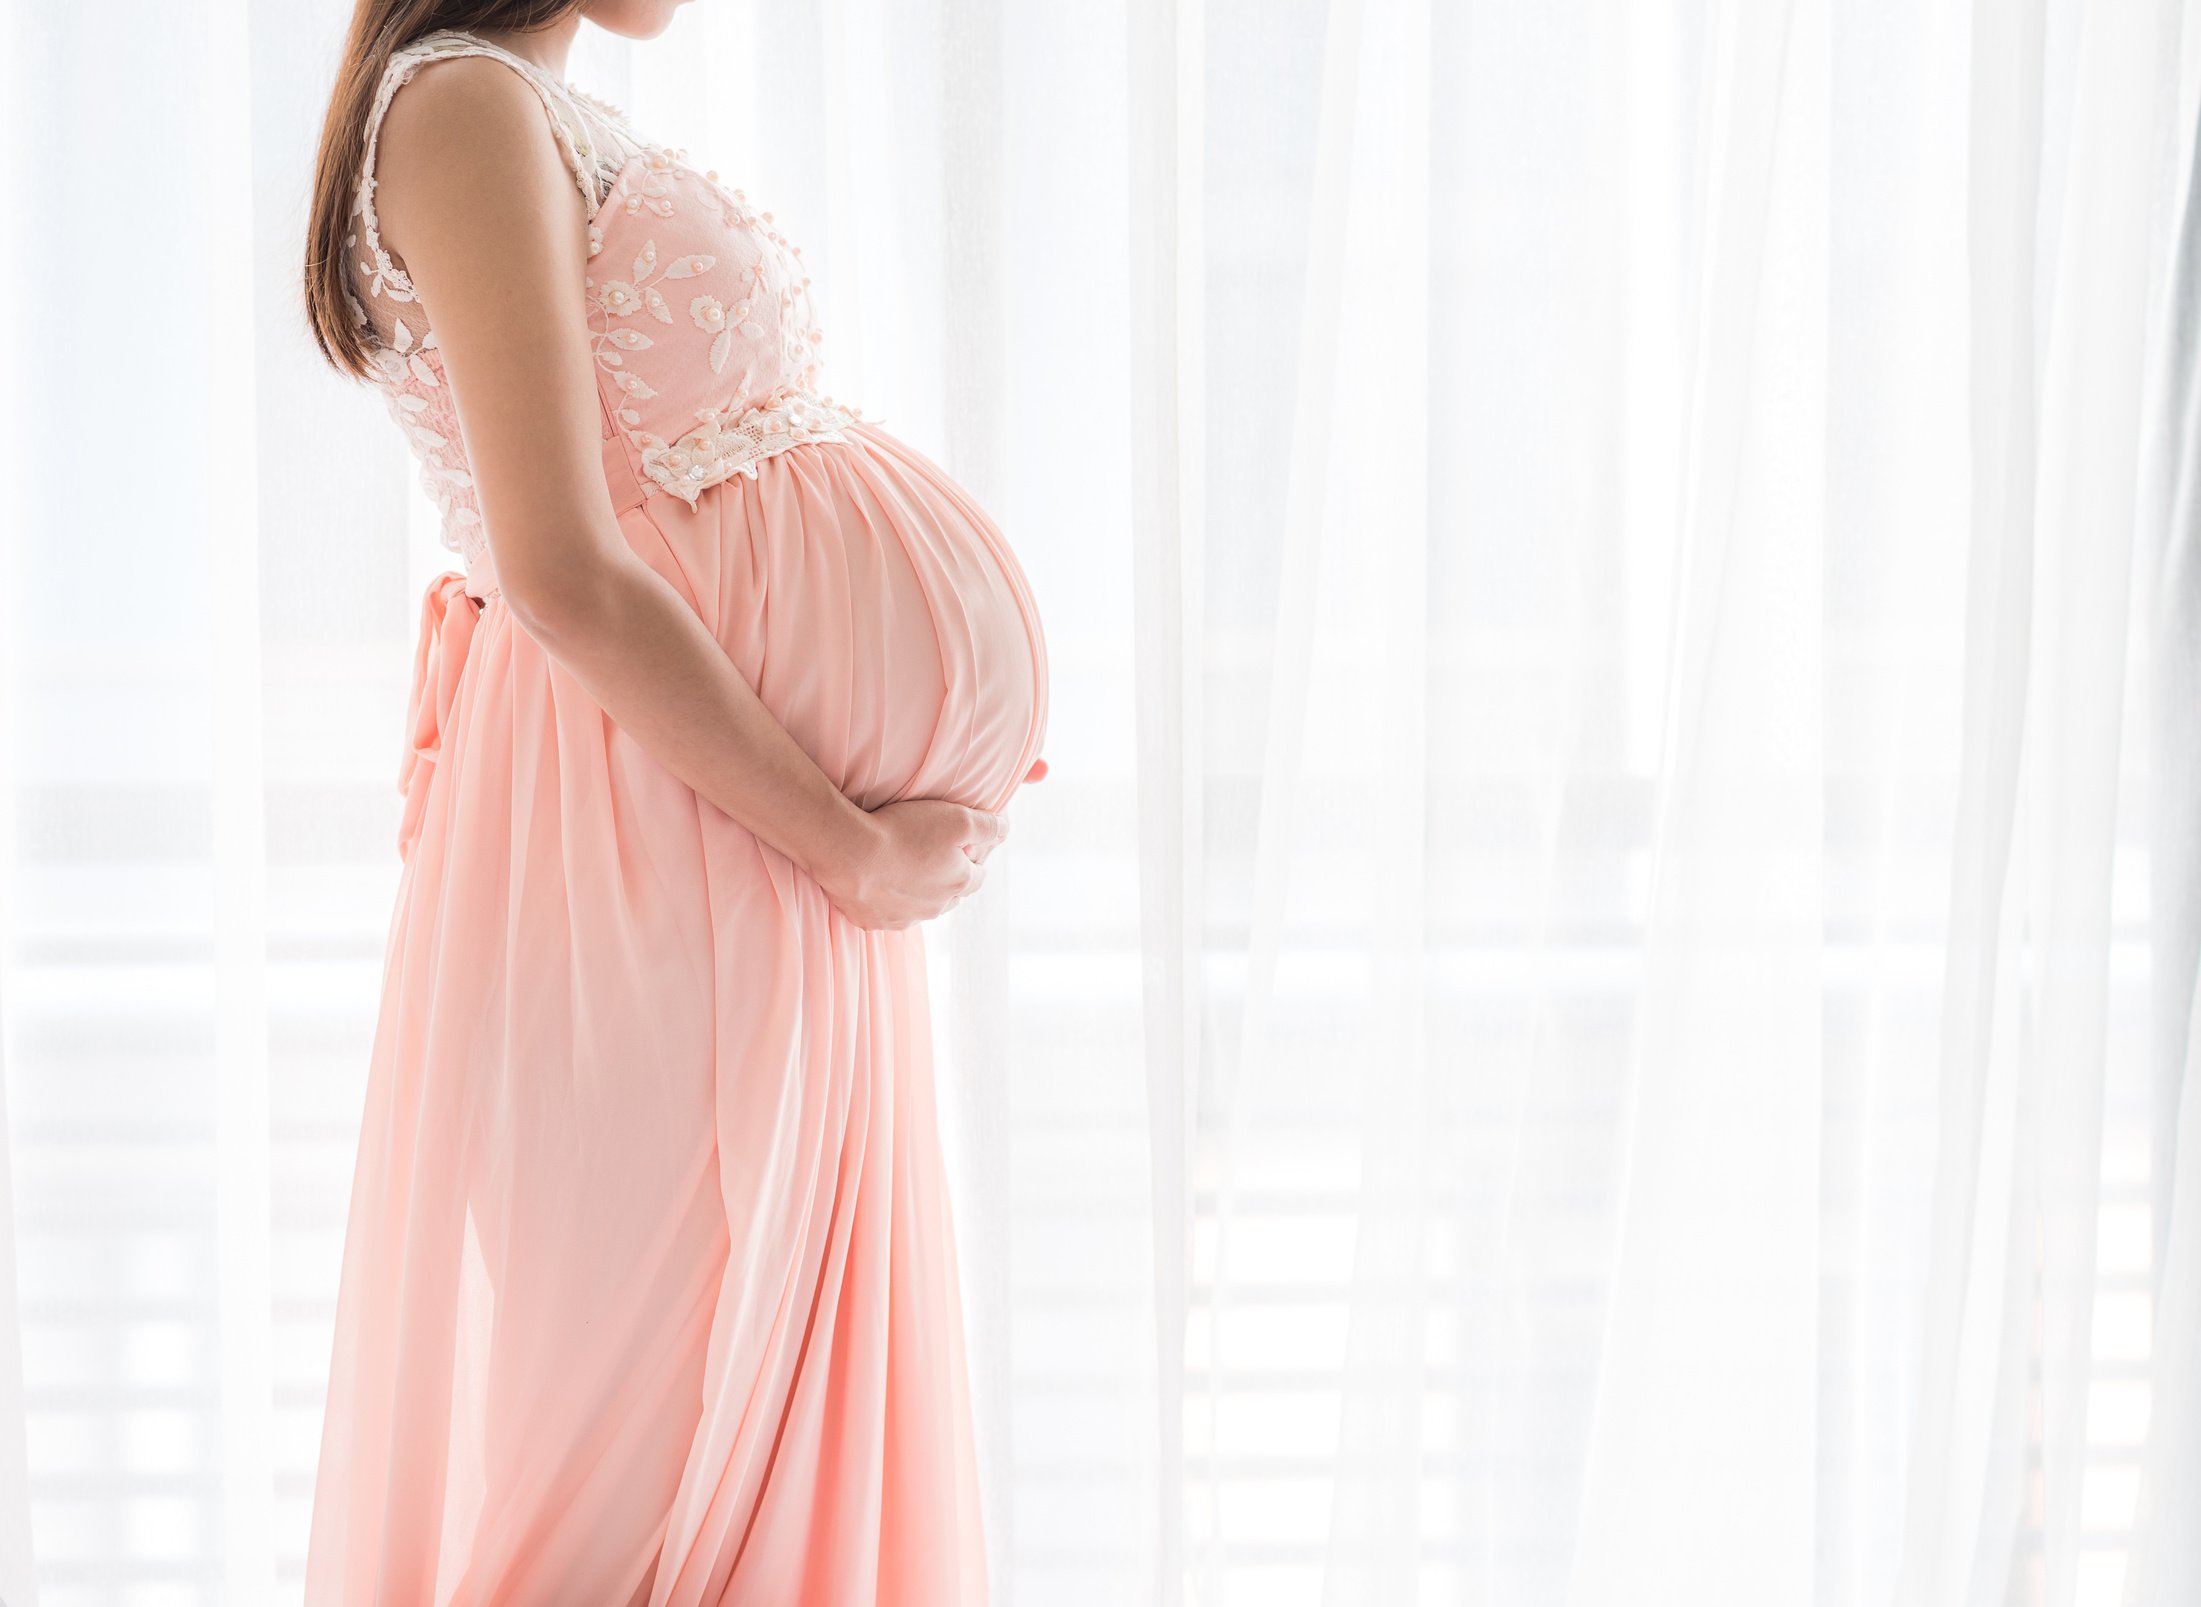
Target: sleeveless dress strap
<point>381,275</point>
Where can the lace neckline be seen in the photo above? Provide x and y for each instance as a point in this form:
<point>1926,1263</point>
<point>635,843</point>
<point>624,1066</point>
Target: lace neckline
<point>535,67</point>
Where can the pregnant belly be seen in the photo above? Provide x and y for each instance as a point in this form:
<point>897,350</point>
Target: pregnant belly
<point>879,613</point>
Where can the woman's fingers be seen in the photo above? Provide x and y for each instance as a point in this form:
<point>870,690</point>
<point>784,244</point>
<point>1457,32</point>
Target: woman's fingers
<point>982,833</point>
<point>1038,770</point>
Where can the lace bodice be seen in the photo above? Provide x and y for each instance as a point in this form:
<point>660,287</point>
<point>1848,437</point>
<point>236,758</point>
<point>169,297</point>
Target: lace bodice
<point>698,310</point>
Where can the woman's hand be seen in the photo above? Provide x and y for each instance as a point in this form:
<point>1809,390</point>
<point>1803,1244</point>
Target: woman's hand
<point>916,859</point>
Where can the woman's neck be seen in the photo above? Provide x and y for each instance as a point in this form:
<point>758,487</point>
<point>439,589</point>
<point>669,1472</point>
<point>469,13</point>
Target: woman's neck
<point>546,47</point>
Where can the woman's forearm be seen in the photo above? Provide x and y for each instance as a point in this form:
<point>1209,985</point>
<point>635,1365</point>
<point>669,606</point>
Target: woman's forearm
<point>641,652</point>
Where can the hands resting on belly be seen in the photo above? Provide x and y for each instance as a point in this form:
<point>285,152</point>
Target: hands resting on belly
<point>921,857</point>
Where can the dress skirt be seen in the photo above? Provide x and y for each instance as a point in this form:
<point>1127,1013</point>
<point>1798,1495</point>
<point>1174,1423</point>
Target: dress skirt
<point>649,1289</point>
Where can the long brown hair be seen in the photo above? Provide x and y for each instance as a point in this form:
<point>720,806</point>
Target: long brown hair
<point>379,29</point>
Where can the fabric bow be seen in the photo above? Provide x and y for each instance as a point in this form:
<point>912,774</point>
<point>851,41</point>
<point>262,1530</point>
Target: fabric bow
<point>448,614</point>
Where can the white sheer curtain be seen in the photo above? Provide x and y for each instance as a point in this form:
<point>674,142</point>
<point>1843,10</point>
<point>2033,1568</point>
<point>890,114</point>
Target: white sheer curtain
<point>1600,1004</point>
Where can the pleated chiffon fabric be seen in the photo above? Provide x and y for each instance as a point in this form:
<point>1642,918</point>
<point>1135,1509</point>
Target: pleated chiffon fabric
<point>649,1292</point>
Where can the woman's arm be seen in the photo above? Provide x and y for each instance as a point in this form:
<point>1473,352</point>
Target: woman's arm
<point>475,198</point>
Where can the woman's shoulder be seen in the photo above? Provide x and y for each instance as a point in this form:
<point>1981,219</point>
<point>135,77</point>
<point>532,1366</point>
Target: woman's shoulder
<point>454,116</point>
<point>447,92</point>
<point>453,107</point>
<point>448,97</point>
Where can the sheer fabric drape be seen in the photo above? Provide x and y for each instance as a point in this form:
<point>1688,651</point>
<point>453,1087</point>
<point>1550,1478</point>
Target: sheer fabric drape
<point>1599,1005</point>
<point>2167,1561</point>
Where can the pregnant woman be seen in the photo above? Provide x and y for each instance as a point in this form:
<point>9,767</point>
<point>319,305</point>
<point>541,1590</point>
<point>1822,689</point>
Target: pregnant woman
<point>649,1291</point>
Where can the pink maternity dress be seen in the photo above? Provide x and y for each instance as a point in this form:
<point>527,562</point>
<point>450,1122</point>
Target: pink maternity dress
<point>649,1292</point>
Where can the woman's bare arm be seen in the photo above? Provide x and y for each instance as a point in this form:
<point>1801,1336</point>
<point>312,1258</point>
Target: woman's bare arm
<point>475,198</point>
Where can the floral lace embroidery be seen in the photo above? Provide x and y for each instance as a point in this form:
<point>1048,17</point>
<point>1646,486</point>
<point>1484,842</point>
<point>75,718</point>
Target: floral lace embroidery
<point>417,398</point>
<point>750,409</point>
<point>727,439</point>
<point>733,440</point>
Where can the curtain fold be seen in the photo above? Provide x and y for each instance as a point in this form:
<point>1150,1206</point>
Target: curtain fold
<point>1699,1464</point>
<point>17,1581</point>
<point>1165,440</point>
<point>1944,1520</point>
<point>1371,1551</point>
<point>2167,1561</point>
<point>239,858</point>
<point>2057,367</point>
